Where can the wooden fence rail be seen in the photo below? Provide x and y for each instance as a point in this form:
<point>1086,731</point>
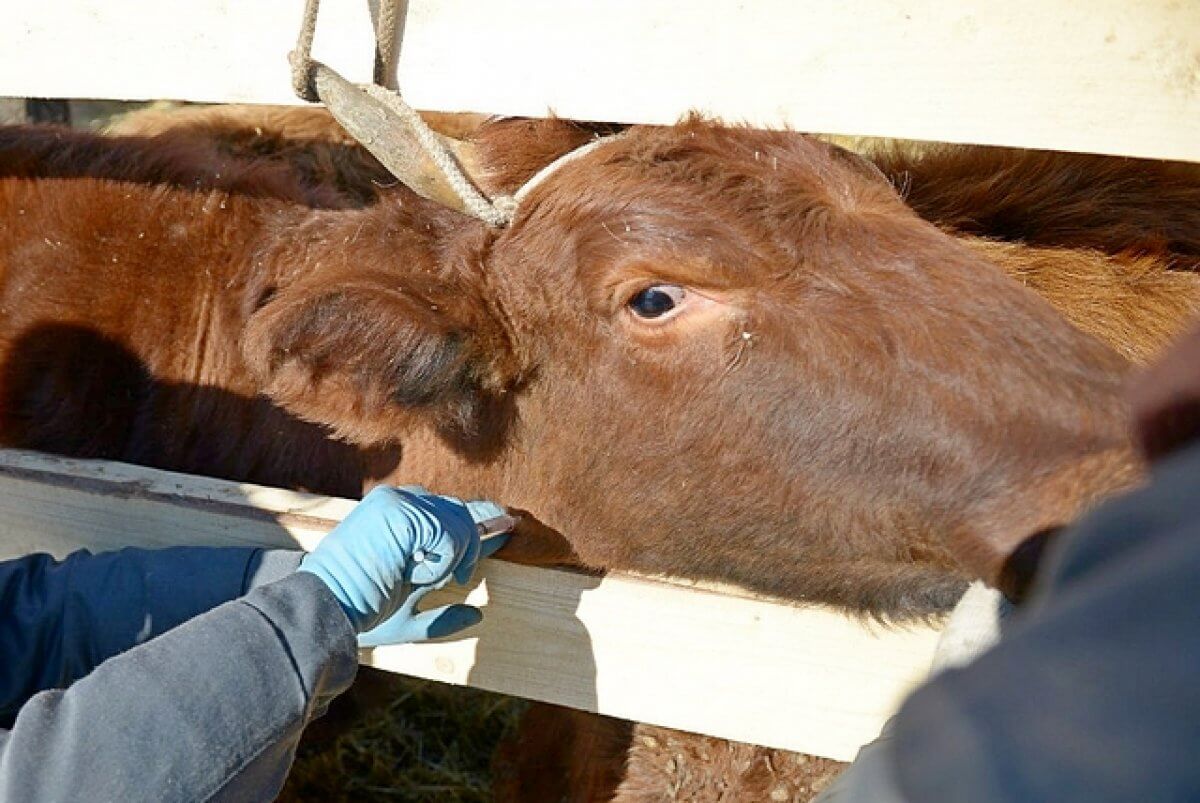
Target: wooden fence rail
<point>698,659</point>
<point>1108,76</point>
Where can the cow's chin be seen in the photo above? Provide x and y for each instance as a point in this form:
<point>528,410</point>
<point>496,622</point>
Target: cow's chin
<point>884,591</point>
<point>536,544</point>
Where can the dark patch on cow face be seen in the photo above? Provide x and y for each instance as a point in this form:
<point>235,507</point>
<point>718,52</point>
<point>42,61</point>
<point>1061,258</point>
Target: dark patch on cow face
<point>264,297</point>
<point>1021,567</point>
<point>70,389</point>
<point>398,332</point>
<point>375,355</point>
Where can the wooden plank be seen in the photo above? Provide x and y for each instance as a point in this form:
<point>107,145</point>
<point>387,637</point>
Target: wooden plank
<point>724,664</point>
<point>1106,76</point>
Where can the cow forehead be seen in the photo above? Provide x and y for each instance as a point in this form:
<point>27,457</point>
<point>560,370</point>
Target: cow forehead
<point>717,208</point>
<point>770,180</point>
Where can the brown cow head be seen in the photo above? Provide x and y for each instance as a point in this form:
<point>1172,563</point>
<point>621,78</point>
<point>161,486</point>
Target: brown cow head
<point>710,352</point>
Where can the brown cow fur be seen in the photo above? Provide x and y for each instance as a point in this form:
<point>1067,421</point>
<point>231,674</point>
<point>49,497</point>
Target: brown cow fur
<point>1110,204</point>
<point>1075,205</point>
<point>1129,301</point>
<point>317,290</point>
<point>564,755</point>
<point>249,128</point>
<point>187,159</point>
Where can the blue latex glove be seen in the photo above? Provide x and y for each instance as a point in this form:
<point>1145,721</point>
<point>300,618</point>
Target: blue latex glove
<point>395,547</point>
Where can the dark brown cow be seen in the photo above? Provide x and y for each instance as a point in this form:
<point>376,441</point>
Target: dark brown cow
<point>777,373</point>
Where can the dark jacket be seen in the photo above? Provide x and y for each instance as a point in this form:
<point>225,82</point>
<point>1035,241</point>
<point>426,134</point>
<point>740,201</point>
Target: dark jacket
<point>1093,692</point>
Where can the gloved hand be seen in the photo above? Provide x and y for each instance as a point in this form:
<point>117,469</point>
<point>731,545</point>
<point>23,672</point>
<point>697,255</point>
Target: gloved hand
<point>395,547</point>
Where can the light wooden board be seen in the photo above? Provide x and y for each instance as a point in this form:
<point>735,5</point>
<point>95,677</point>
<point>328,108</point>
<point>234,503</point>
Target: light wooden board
<point>1107,76</point>
<point>727,665</point>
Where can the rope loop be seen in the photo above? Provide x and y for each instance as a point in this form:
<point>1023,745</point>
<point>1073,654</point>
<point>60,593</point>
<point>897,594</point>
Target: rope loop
<point>303,75</point>
<point>383,123</point>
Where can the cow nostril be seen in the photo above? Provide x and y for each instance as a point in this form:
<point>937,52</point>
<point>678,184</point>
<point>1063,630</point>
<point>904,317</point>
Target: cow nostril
<point>657,301</point>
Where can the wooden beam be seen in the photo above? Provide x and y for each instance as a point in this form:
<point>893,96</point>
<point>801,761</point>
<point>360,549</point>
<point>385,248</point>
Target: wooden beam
<point>725,664</point>
<point>1106,76</point>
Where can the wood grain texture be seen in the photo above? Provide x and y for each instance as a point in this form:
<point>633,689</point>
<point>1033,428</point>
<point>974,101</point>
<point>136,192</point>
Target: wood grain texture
<point>694,658</point>
<point>1105,76</point>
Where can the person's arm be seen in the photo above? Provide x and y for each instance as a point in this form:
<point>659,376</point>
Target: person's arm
<point>212,710</point>
<point>59,620</point>
<point>1091,694</point>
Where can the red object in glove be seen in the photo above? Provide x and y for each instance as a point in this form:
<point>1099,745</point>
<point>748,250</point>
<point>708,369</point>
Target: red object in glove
<point>1166,399</point>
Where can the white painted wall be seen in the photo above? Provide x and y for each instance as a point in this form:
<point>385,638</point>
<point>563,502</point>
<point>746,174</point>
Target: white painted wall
<point>1108,76</point>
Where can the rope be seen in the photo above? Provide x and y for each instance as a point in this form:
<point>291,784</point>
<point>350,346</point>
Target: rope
<point>305,72</point>
<point>303,80</point>
<point>385,42</point>
<point>568,157</point>
<point>473,200</point>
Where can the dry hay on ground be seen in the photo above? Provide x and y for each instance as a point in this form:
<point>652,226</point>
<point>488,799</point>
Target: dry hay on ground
<point>432,743</point>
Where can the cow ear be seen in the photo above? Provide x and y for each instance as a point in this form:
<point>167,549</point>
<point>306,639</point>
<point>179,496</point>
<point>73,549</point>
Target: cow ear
<point>371,354</point>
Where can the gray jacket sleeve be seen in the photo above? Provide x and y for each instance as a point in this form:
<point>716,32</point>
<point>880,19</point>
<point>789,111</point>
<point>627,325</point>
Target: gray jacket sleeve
<point>211,710</point>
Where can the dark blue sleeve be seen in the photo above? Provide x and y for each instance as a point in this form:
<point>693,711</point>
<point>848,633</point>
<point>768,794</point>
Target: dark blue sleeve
<point>210,711</point>
<point>59,620</point>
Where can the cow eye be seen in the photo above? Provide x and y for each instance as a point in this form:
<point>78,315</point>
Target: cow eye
<point>657,301</point>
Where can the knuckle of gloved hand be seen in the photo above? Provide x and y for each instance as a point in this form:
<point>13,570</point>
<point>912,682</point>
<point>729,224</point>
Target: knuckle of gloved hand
<point>425,576</point>
<point>484,509</point>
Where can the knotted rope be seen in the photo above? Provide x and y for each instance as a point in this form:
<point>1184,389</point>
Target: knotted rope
<point>380,119</point>
<point>385,42</point>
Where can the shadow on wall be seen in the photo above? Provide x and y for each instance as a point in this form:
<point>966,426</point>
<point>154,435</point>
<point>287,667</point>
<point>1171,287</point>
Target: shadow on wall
<point>69,390</point>
<point>545,637</point>
<point>535,638</point>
